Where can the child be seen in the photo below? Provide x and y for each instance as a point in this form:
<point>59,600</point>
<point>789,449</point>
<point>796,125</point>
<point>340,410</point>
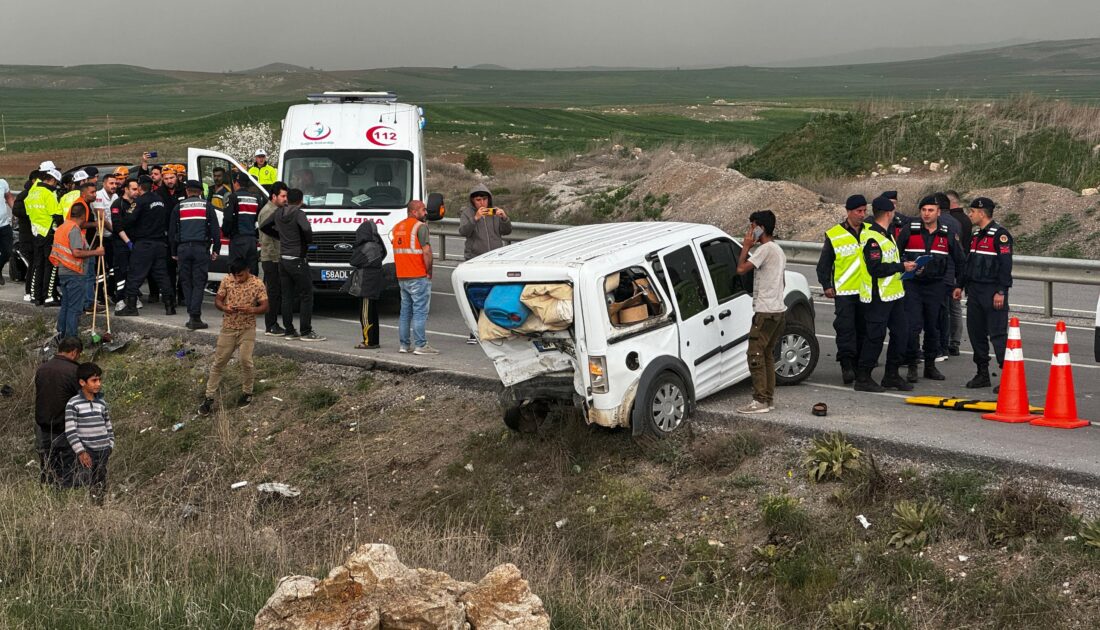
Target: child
<point>89,431</point>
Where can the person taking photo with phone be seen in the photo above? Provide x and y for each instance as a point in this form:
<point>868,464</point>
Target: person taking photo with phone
<point>483,227</point>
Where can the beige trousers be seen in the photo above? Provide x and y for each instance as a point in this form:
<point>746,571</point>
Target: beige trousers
<point>228,341</point>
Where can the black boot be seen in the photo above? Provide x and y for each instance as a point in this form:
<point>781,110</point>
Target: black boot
<point>864,383</point>
<point>981,379</point>
<point>893,380</point>
<point>847,372</point>
<point>169,306</point>
<point>911,374</point>
<point>131,308</point>
<point>930,372</point>
<point>196,323</point>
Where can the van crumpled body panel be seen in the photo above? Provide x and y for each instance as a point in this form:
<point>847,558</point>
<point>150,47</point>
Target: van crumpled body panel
<point>519,359</point>
<point>618,416</point>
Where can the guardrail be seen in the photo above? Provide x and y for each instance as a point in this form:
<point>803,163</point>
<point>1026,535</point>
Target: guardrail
<point>1048,271</point>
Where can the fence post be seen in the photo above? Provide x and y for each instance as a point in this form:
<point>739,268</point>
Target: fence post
<point>442,246</point>
<point>1048,298</point>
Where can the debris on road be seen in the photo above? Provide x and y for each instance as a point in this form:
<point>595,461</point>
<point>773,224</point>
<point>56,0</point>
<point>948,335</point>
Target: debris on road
<point>238,485</point>
<point>278,488</point>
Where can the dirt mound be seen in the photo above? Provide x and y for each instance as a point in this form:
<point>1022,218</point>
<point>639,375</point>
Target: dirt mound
<point>1046,220</point>
<point>725,198</point>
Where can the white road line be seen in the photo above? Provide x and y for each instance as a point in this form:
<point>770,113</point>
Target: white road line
<point>848,388</point>
<point>1022,321</point>
<point>1044,362</point>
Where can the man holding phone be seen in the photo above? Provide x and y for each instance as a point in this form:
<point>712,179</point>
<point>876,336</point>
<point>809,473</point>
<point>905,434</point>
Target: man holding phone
<point>483,227</point>
<point>768,308</point>
<point>241,296</point>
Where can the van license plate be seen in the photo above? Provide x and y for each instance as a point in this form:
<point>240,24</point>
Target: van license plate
<point>334,274</point>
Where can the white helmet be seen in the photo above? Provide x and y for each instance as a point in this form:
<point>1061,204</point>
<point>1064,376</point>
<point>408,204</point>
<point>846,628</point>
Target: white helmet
<point>48,165</point>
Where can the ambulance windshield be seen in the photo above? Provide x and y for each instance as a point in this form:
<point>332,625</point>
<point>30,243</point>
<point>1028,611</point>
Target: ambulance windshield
<point>351,178</point>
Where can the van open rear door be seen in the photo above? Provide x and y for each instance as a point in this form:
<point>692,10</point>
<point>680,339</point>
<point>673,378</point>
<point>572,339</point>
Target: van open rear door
<point>202,162</point>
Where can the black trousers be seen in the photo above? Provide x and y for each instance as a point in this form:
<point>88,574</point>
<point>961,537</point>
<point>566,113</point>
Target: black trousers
<point>55,457</point>
<point>193,262</point>
<point>149,259</point>
<point>850,327</point>
<point>882,317</point>
<point>368,320</point>
<point>120,266</point>
<point>24,252</point>
<point>94,478</point>
<point>244,248</point>
<point>924,302</point>
<point>986,324</point>
<point>38,280</point>
<point>6,236</point>
<point>297,288</point>
<point>945,319</point>
<point>274,286</point>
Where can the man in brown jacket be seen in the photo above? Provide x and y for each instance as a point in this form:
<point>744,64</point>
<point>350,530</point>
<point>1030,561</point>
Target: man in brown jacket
<point>54,384</point>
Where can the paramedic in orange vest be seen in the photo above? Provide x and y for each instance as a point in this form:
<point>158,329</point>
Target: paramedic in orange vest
<point>70,253</point>
<point>412,256</point>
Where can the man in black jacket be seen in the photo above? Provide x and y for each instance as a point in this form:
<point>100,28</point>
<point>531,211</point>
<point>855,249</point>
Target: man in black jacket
<point>194,240</point>
<point>54,384</point>
<point>147,230</point>
<point>239,222</point>
<point>291,226</point>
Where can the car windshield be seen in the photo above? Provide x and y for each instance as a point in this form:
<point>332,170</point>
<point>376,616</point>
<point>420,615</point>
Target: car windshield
<point>351,178</point>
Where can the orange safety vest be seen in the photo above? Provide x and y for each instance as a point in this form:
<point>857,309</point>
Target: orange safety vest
<point>61,253</point>
<point>408,254</point>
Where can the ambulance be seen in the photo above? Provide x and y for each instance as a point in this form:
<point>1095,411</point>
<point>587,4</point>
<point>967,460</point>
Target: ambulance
<point>357,156</point>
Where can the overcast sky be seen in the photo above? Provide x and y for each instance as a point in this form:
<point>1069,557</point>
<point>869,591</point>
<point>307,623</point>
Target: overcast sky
<point>352,34</point>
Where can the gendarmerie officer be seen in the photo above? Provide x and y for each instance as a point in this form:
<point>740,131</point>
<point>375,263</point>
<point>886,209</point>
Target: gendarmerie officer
<point>194,240</point>
<point>987,279</point>
<point>882,295</point>
<point>926,292</point>
<point>239,222</point>
<point>147,229</point>
<point>840,271</point>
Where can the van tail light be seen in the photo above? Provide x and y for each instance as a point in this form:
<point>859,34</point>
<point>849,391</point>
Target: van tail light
<point>597,371</point>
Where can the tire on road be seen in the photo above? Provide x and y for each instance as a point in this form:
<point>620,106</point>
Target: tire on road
<point>796,354</point>
<point>665,403</point>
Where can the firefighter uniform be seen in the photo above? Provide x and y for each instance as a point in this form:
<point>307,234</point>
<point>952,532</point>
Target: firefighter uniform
<point>147,229</point>
<point>193,237</point>
<point>239,225</point>
<point>926,292</point>
<point>841,268</point>
<point>882,294</point>
<point>988,274</point>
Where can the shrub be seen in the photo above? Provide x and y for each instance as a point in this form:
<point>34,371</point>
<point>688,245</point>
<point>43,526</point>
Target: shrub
<point>478,160</point>
<point>319,398</point>
<point>831,456</point>
<point>914,524</point>
<point>781,513</point>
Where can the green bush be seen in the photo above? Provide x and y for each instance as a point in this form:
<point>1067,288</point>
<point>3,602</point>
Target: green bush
<point>831,456</point>
<point>915,524</point>
<point>319,398</point>
<point>478,160</point>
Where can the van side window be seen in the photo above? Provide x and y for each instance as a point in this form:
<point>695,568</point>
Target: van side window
<point>721,260</point>
<point>687,282</point>
<point>631,297</point>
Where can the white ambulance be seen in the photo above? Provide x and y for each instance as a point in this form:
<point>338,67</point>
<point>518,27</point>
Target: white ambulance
<point>357,156</point>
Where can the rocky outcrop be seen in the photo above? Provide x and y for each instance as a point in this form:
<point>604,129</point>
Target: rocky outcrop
<point>373,590</point>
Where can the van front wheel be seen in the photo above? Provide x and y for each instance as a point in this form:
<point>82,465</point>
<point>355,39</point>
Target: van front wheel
<point>666,404</point>
<point>796,354</point>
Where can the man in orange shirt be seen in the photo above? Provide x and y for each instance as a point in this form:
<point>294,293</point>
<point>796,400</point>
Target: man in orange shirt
<point>412,256</point>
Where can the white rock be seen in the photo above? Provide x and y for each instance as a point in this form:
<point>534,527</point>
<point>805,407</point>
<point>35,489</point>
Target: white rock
<point>562,523</point>
<point>469,467</point>
<point>963,558</point>
<point>1089,192</point>
<point>934,167</point>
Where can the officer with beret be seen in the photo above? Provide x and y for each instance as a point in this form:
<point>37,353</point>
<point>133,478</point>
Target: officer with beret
<point>147,228</point>
<point>194,239</point>
<point>882,295</point>
<point>927,290</point>
<point>987,278</point>
<point>840,270</point>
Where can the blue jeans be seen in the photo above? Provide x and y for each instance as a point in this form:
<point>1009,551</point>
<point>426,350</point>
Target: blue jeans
<point>416,299</point>
<point>90,269</point>
<point>72,304</point>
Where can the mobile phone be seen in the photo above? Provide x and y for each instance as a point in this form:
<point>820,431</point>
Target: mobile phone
<point>152,154</point>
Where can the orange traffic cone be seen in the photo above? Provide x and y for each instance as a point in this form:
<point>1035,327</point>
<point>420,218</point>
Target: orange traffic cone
<point>1061,407</point>
<point>1012,404</point>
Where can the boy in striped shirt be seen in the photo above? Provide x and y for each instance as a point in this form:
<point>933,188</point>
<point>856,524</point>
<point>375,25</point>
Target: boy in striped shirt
<point>88,430</point>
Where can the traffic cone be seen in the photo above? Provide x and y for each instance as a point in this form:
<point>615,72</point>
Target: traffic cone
<point>1012,403</point>
<point>1061,407</point>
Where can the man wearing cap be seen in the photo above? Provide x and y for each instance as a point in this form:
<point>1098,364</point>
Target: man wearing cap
<point>926,291</point>
<point>147,229</point>
<point>264,173</point>
<point>193,240</point>
<point>987,278</point>
<point>239,222</point>
<point>882,294</point>
<point>44,213</point>
<point>840,271</point>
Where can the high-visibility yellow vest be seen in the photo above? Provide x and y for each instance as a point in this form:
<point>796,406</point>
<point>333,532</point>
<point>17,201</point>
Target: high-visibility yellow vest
<point>67,200</point>
<point>41,205</point>
<point>265,175</point>
<point>890,288</point>
<point>848,267</point>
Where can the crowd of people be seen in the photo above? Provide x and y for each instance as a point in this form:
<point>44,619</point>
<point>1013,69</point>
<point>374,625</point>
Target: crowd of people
<point>906,275</point>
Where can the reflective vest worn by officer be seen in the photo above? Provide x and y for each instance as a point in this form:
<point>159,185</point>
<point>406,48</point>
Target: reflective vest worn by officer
<point>938,247</point>
<point>61,253</point>
<point>990,260</point>
<point>890,288</point>
<point>195,222</point>
<point>848,267</point>
<point>266,175</point>
<point>408,252</point>
<point>66,201</point>
<point>241,209</point>
<point>41,205</point>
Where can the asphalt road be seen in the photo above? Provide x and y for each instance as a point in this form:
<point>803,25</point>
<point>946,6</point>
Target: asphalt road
<point>882,416</point>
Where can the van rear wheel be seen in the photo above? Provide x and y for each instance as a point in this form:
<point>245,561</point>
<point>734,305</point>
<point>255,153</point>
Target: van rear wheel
<point>796,354</point>
<point>665,404</point>
<point>526,416</point>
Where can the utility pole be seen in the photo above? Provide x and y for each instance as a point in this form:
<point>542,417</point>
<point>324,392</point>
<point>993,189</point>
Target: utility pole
<point>108,137</point>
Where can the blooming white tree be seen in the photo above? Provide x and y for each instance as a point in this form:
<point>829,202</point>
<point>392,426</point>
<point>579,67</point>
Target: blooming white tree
<point>241,142</point>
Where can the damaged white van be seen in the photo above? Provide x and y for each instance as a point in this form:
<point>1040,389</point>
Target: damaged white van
<point>631,322</point>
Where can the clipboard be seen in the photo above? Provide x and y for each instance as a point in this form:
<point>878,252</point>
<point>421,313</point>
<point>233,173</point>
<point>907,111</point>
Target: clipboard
<point>921,261</point>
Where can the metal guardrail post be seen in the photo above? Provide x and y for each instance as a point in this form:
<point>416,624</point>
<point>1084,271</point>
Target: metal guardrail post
<point>1048,299</point>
